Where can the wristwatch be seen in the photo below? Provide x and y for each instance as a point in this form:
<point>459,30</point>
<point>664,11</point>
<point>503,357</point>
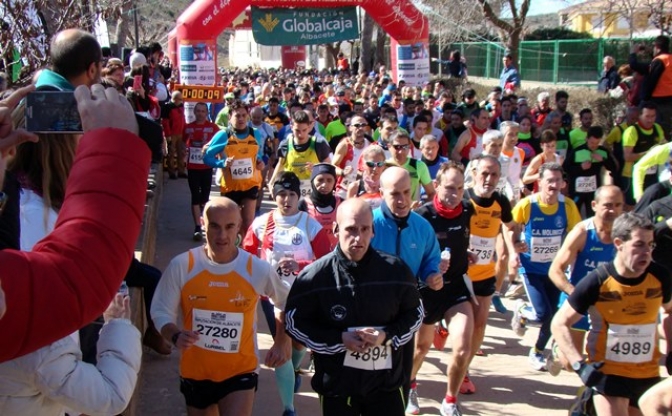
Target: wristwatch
<point>174,338</point>
<point>576,366</point>
<point>388,340</point>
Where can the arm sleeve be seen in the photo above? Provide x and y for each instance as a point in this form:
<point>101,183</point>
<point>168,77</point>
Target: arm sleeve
<point>323,150</point>
<point>630,137</point>
<point>515,78</point>
<point>320,243</point>
<point>411,312</point>
<point>507,215</point>
<point>656,69</point>
<point>573,215</point>
<point>614,136</point>
<point>585,293</point>
<point>521,212</point>
<point>657,155</point>
<point>610,162</point>
<point>260,143</point>
<point>276,289</point>
<point>103,389</point>
<point>217,145</point>
<point>423,174</point>
<point>301,318</point>
<point>432,255</point>
<point>166,301</point>
<point>83,261</point>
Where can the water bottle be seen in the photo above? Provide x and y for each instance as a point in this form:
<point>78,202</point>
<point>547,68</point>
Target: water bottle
<point>123,289</point>
<point>445,254</point>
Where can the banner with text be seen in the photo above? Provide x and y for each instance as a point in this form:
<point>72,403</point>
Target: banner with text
<point>198,66</point>
<point>286,27</point>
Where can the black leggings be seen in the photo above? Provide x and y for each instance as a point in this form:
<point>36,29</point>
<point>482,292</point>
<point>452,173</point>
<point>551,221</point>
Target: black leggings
<point>585,199</point>
<point>200,181</point>
<point>388,403</point>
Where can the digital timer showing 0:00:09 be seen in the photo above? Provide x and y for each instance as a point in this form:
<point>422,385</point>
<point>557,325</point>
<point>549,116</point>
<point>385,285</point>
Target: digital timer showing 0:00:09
<point>189,93</point>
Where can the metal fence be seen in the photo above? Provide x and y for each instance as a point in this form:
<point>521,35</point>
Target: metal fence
<point>554,61</point>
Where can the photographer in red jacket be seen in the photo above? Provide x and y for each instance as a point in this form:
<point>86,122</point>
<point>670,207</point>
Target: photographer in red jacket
<point>83,261</point>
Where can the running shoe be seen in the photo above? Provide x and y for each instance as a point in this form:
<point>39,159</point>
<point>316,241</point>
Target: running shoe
<point>537,360</point>
<point>198,234</point>
<point>515,290</point>
<point>440,336</point>
<point>553,364</point>
<point>413,407</point>
<point>518,322</point>
<point>467,386</point>
<point>499,306</point>
<point>449,409</point>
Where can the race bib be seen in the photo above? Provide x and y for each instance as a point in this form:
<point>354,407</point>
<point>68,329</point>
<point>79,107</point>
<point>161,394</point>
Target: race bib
<point>586,184</point>
<point>483,247</point>
<point>306,188</point>
<point>195,155</point>
<point>544,249</point>
<point>219,331</point>
<point>652,170</point>
<point>375,358</point>
<point>241,169</point>
<point>631,343</point>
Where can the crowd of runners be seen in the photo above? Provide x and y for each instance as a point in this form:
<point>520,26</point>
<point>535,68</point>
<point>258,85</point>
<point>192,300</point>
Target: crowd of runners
<point>402,216</point>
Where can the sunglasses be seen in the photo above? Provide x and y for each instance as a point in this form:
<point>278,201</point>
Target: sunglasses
<point>359,125</point>
<point>375,164</point>
<point>400,146</point>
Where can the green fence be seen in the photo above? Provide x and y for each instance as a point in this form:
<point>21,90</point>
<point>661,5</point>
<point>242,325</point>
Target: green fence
<point>555,61</point>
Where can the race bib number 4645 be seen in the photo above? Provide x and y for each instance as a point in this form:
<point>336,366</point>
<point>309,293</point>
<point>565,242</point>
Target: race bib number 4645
<point>219,331</point>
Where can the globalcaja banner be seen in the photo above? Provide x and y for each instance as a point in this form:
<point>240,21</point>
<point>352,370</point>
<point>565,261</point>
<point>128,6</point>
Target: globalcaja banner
<point>286,27</point>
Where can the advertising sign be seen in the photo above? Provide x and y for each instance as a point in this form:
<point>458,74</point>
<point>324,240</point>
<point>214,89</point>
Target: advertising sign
<point>287,27</point>
<point>197,67</point>
<point>412,63</point>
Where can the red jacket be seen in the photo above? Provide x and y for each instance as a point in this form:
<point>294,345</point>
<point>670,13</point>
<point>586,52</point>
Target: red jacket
<point>175,123</point>
<point>71,276</point>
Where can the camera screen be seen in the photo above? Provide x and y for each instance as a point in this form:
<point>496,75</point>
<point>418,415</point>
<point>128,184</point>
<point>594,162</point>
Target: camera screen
<point>52,112</point>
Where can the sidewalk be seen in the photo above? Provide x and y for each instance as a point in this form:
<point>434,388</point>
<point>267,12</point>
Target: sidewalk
<point>505,382</point>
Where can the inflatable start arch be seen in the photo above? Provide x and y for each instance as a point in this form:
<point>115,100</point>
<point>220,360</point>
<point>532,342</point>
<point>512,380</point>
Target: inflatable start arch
<point>204,20</point>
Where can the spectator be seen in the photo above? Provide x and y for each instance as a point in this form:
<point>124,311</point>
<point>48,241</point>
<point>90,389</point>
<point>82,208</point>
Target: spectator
<point>658,85</point>
<point>509,79</point>
<point>609,78</point>
<point>541,110</point>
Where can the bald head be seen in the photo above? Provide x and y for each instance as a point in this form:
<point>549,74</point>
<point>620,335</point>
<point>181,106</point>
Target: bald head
<point>73,52</point>
<point>219,205</point>
<point>393,175</point>
<point>607,203</point>
<point>354,229</point>
<point>607,191</point>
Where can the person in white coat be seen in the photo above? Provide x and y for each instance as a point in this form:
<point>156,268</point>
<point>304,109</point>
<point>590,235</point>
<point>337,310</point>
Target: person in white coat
<point>45,382</point>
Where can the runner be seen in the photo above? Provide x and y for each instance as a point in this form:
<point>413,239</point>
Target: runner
<point>418,171</point>
<point>449,215</point>
<point>470,143</point>
<point>288,240</point>
<point>197,136</point>
<point>492,210</point>
<point>545,218</point>
<point>367,183</point>
<point>356,309</point>
<point>587,246</point>
<point>299,152</point>
<point>242,162</point>
<point>547,155</point>
<point>214,289</point>
<point>623,299</point>
<point>322,204</point>
<point>348,153</point>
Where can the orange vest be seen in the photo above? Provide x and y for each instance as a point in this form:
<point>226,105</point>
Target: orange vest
<point>664,85</point>
<point>243,174</point>
<point>484,226</point>
<point>222,308</point>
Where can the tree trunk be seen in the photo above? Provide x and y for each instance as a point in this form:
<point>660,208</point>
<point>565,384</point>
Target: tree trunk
<point>121,32</point>
<point>331,54</point>
<point>380,47</point>
<point>513,45</point>
<point>365,63</point>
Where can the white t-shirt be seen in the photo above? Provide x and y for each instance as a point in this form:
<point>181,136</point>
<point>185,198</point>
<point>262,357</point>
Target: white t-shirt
<point>36,220</point>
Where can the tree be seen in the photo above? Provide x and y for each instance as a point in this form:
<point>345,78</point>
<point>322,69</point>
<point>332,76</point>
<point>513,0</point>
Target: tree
<point>366,58</point>
<point>510,30</point>
<point>553,33</point>
<point>660,16</point>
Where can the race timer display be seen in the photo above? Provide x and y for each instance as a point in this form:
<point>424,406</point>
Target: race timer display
<point>196,93</point>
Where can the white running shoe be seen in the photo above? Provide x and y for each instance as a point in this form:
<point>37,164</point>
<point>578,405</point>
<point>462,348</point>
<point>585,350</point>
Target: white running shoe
<point>553,364</point>
<point>449,409</point>
<point>518,322</point>
<point>537,360</point>
<point>413,408</point>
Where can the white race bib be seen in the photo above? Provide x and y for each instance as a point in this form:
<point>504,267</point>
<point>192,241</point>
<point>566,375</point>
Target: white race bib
<point>544,249</point>
<point>375,358</point>
<point>483,247</point>
<point>195,155</point>
<point>241,169</point>
<point>586,184</point>
<point>219,331</point>
<point>631,343</point>
<point>306,188</point>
